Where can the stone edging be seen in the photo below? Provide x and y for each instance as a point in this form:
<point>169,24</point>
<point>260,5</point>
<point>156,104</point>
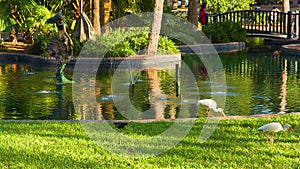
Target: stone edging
<point>212,48</point>
<point>291,49</point>
<point>155,61</point>
<point>21,57</point>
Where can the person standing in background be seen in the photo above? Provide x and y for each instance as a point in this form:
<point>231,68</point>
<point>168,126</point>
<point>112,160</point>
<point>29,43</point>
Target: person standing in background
<point>273,15</point>
<point>203,14</point>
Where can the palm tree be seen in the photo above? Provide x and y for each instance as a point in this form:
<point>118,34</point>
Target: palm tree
<point>155,28</point>
<point>286,5</point>
<point>193,12</point>
<point>96,16</point>
<point>83,28</point>
<point>105,7</point>
<point>101,13</point>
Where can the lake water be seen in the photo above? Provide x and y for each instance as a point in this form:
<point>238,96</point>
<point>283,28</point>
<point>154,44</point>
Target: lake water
<point>256,83</point>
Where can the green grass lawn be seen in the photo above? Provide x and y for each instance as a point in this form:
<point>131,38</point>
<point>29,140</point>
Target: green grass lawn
<point>236,143</point>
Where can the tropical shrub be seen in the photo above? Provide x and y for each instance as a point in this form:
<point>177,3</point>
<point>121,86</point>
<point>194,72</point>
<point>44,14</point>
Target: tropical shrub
<point>23,15</point>
<point>2,25</point>
<point>2,46</point>
<point>223,32</point>
<point>39,47</point>
<point>123,8</point>
<point>43,35</point>
<point>128,42</point>
<point>77,46</point>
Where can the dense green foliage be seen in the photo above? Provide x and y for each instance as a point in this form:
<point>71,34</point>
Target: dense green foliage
<point>128,42</point>
<point>23,15</point>
<point>2,25</point>
<point>221,6</point>
<point>39,46</point>
<point>122,8</point>
<point>118,43</point>
<point>223,32</point>
<point>236,143</point>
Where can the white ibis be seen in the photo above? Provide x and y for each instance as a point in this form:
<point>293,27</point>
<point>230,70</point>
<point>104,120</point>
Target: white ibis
<point>210,104</point>
<point>273,128</point>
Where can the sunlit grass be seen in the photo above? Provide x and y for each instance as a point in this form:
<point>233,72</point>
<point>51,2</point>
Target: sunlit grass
<point>236,143</point>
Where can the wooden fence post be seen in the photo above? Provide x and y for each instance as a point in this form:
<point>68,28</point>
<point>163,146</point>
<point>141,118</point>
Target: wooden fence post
<point>212,18</point>
<point>289,25</point>
<point>215,17</point>
<point>297,24</point>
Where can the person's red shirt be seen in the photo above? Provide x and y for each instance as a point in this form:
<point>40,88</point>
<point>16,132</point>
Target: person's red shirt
<point>202,17</point>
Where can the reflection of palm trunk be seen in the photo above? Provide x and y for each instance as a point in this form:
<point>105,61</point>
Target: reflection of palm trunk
<point>89,110</point>
<point>172,112</point>
<point>155,93</point>
<point>98,110</point>
<point>283,88</point>
<point>109,112</point>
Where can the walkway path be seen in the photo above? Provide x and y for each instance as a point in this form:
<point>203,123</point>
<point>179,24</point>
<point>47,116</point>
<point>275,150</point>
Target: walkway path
<point>19,47</point>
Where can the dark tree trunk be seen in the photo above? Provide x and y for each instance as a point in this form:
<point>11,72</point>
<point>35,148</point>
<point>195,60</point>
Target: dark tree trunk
<point>193,12</point>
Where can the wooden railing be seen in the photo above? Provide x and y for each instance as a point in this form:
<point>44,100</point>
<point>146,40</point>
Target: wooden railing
<point>262,22</point>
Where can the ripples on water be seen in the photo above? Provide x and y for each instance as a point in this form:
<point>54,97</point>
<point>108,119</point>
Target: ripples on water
<point>254,85</point>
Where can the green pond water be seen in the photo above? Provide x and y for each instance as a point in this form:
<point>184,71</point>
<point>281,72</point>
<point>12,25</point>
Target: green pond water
<point>256,83</point>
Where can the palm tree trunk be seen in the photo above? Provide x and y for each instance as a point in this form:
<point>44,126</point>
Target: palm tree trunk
<point>286,5</point>
<point>96,16</point>
<point>193,12</point>
<point>105,8</point>
<point>155,28</point>
<point>91,9</point>
<point>102,9</point>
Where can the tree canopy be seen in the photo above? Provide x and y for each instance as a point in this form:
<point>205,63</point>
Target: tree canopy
<point>221,6</point>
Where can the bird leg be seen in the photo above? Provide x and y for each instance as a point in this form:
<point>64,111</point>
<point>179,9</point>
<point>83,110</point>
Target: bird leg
<point>207,111</point>
<point>270,138</point>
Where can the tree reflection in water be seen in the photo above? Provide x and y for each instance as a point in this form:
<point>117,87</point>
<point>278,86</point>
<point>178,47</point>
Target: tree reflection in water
<point>255,84</point>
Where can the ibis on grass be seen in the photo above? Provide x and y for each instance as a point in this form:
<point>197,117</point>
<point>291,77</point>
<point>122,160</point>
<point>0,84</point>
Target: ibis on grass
<point>273,128</point>
<point>210,104</point>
